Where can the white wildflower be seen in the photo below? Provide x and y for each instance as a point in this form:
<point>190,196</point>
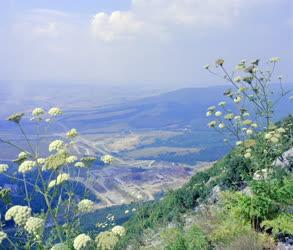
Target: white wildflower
<point>222,125</point>
<point>35,226</point>
<point>82,241</point>
<point>238,143</point>
<point>72,133</point>
<point>247,122</point>
<point>237,99</point>
<point>55,111</point>
<point>38,112</point>
<point>229,116</point>
<point>212,108</point>
<point>86,206</point>
<point>56,145</point>
<point>41,161</point>
<point>106,240</point>
<point>79,164</point>
<point>59,180</point>
<point>241,89</point>
<point>126,211</point>
<point>107,159</point>
<point>71,159</point>
<point>247,155</point>
<point>249,131</point>
<point>274,59</point>
<point>19,214</point>
<point>3,168</point>
<point>3,236</point>
<point>274,139</point>
<point>62,177</point>
<point>281,130</point>
<point>212,124</point>
<point>237,79</point>
<point>119,231</point>
<point>26,166</point>
<point>209,113</point>
<point>222,104</point>
<point>268,136</point>
<point>218,113</point>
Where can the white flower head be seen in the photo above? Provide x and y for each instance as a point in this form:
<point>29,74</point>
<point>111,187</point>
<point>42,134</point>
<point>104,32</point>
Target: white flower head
<point>222,125</point>
<point>37,112</point>
<point>35,226</point>
<point>59,180</point>
<point>275,59</point>
<point>26,166</point>
<point>209,113</point>
<point>237,79</point>
<point>107,159</point>
<point>218,113</point>
<point>71,159</point>
<point>72,133</point>
<point>3,168</point>
<point>229,116</point>
<point>41,161</point>
<point>119,231</point>
<point>238,99</point>
<point>82,241</point>
<point>223,104</point>
<point>79,164</point>
<point>247,155</point>
<point>20,214</point>
<point>56,145</point>
<point>55,111</point>
<point>86,206</point>
<point>212,124</point>
<point>249,131</point>
<point>3,236</point>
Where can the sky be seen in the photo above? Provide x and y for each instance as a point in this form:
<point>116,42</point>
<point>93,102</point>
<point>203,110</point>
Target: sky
<point>139,42</point>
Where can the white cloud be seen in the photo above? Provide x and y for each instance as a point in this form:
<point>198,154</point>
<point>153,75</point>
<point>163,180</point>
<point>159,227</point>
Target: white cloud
<point>117,25</point>
<point>162,18</point>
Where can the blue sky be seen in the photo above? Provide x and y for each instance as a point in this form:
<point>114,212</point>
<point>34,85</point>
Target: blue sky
<point>144,42</point>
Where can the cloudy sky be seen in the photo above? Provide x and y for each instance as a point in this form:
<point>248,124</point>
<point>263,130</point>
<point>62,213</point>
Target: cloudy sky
<point>157,42</point>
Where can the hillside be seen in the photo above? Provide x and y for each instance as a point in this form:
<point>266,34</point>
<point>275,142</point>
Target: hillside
<point>210,209</point>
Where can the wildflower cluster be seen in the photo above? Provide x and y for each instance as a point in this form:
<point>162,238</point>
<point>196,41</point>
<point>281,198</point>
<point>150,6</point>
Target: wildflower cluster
<point>35,226</point>
<point>59,180</point>
<point>52,177</point>
<point>106,240</point>
<point>250,89</point>
<point>82,241</point>
<point>86,206</point>
<point>20,214</point>
<point>26,166</point>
